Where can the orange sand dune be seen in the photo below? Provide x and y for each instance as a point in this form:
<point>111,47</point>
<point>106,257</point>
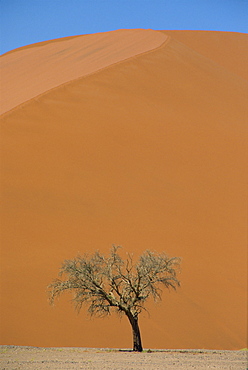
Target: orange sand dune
<point>146,153</point>
<point>32,70</point>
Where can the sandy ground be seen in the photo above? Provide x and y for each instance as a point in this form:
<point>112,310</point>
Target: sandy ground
<point>15,358</point>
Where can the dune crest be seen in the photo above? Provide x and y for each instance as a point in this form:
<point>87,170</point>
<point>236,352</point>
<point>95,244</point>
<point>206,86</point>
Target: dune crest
<point>30,71</point>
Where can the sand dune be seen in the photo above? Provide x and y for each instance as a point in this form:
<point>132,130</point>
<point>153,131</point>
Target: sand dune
<point>148,153</point>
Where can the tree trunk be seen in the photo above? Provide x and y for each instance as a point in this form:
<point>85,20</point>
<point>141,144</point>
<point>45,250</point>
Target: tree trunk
<point>137,345</point>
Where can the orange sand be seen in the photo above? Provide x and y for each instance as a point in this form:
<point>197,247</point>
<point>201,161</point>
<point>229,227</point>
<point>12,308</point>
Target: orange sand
<point>149,152</point>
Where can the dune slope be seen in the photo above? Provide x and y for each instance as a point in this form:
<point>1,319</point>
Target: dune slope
<point>34,69</point>
<point>149,153</point>
<point>225,48</point>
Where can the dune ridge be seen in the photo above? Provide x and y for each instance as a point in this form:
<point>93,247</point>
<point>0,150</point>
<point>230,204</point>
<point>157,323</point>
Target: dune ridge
<point>57,62</point>
<point>149,153</point>
<point>36,97</point>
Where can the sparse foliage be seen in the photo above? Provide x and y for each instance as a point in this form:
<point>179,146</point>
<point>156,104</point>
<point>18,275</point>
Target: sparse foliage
<point>107,283</point>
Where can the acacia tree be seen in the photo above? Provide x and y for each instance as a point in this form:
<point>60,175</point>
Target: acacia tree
<point>107,283</point>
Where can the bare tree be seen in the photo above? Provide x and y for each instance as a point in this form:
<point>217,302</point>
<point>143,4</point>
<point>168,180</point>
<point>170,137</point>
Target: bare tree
<point>106,283</point>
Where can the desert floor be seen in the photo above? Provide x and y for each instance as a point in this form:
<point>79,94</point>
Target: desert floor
<point>22,357</point>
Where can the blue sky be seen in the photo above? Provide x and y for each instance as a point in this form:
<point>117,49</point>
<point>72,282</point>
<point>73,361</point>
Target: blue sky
<point>24,22</point>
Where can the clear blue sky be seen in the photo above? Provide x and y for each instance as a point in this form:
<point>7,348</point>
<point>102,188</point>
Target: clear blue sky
<point>24,22</point>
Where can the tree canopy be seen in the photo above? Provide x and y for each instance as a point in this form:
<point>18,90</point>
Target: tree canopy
<point>107,283</point>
